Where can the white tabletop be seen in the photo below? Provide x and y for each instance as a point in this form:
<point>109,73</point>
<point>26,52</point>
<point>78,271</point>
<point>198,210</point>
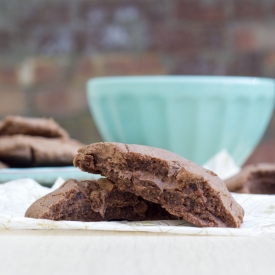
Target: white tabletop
<point>97,252</point>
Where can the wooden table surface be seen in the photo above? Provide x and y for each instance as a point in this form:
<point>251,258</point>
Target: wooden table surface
<point>96,252</point>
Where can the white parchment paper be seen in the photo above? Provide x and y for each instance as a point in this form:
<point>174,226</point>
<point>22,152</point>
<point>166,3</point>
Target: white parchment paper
<point>16,196</point>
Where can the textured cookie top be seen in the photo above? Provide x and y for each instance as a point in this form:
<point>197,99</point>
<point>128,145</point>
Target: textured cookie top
<point>14,125</point>
<point>183,188</point>
<point>160,160</point>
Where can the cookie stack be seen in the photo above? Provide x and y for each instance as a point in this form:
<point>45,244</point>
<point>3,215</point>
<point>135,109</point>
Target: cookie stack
<point>32,142</point>
<point>143,183</point>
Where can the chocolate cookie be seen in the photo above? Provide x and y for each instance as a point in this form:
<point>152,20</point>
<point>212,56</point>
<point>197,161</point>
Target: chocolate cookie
<point>14,125</point>
<point>29,151</point>
<point>3,165</point>
<point>99,200</point>
<point>183,188</point>
<point>254,179</point>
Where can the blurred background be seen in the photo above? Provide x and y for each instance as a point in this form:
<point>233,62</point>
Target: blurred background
<point>49,49</point>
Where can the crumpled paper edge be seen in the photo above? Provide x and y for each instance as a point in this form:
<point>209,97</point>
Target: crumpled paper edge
<point>179,227</point>
<point>223,165</point>
<point>32,190</point>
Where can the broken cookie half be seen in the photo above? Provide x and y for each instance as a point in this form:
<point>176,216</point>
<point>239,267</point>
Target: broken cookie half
<point>181,187</point>
<point>98,200</point>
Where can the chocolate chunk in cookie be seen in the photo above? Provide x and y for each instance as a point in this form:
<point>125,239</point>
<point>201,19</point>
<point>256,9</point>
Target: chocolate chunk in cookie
<point>183,188</point>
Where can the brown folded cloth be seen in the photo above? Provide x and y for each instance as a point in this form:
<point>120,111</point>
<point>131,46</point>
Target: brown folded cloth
<point>30,151</point>
<point>98,200</point>
<point>254,179</point>
<point>14,125</point>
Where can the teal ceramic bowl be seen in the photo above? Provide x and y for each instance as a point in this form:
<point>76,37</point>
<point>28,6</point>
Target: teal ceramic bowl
<point>193,116</point>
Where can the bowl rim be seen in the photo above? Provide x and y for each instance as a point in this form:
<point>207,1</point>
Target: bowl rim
<point>190,79</point>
